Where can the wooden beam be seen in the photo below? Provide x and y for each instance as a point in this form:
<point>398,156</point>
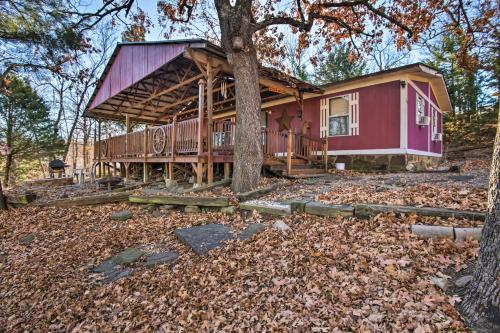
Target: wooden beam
<point>170,89</point>
<point>197,62</point>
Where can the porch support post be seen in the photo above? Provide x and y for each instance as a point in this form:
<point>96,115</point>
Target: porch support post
<point>210,107</point>
<point>174,135</point>
<point>127,127</point>
<point>114,169</point>
<point>227,170</point>
<point>127,171</point>
<point>171,170</point>
<point>199,173</point>
<point>201,107</point>
<point>289,152</point>
<point>99,147</point>
<point>145,164</point>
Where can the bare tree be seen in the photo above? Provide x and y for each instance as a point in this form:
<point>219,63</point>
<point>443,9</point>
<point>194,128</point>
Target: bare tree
<point>386,55</point>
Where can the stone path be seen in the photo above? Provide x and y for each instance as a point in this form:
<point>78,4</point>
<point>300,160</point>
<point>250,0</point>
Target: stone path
<point>204,238</point>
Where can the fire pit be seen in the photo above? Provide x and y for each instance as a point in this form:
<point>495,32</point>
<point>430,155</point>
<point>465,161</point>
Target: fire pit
<point>57,167</point>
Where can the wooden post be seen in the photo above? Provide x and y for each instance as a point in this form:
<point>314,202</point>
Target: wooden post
<point>145,164</point>
<point>127,127</point>
<point>199,173</point>
<point>174,135</point>
<point>201,108</point>
<point>289,152</point>
<point>171,170</point>
<point>227,170</point>
<point>210,107</point>
<point>114,169</point>
<point>127,170</point>
<point>99,147</point>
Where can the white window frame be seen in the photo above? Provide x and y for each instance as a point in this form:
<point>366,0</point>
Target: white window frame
<point>348,114</point>
<point>417,113</point>
<point>434,120</point>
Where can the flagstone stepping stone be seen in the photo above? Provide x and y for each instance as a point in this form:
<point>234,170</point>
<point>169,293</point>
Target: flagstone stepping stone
<point>267,207</point>
<point>164,257</point>
<point>115,275</point>
<point>251,230</point>
<point>125,257</point>
<point>26,239</point>
<point>121,216</point>
<point>281,226</point>
<point>191,209</point>
<point>150,208</point>
<point>204,238</point>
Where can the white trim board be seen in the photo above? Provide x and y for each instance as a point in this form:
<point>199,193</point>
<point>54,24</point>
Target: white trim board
<point>380,152</point>
<point>403,114</point>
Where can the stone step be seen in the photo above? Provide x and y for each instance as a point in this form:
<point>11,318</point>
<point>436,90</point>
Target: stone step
<point>321,209</point>
<point>267,207</point>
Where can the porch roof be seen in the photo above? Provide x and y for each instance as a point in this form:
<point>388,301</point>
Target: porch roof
<point>153,81</point>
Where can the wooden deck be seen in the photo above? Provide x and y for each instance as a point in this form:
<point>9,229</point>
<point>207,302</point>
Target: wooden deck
<point>188,142</point>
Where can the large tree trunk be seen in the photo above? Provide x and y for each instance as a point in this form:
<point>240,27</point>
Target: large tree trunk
<point>236,24</point>
<point>481,305</point>
<point>248,151</point>
<point>8,165</point>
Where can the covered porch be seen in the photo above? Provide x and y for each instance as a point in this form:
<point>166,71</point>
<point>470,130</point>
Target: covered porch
<point>183,95</point>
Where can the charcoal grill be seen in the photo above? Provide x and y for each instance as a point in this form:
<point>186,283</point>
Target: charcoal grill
<point>57,167</point>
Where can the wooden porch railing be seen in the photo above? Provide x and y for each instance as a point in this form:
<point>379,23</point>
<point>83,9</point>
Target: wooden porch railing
<point>181,138</point>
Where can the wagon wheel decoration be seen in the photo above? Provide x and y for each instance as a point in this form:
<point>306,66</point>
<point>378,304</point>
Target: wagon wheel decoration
<point>104,148</point>
<point>159,140</point>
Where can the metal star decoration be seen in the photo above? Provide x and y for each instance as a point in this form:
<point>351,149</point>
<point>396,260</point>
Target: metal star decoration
<point>284,121</point>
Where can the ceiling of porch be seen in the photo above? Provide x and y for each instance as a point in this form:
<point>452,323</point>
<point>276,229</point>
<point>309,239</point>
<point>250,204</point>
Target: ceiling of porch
<point>154,81</point>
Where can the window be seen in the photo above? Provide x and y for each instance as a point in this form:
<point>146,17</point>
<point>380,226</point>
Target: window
<point>434,121</point>
<point>420,108</point>
<point>338,116</point>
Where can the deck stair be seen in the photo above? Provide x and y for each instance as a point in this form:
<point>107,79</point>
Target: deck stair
<point>300,168</point>
<point>294,155</point>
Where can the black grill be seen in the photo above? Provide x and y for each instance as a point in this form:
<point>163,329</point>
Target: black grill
<point>56,165</point>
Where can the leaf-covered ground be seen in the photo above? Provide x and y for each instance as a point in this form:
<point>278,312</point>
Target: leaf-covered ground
<point>327,275</point>
<point>426,195</point>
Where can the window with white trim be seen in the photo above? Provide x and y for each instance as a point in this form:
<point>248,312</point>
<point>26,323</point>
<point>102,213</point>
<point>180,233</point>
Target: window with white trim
<point>420,108</point>
<point>434,121</point>
<point>338,120</point>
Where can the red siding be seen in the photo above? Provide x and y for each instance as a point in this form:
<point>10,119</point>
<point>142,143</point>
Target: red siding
<point>131,64</point>
<point>379,118</point>
<point>420,137</point>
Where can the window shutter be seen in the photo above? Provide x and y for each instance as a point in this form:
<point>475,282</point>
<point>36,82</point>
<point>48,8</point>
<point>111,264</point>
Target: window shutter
<point>354,113</point>
<point>323,117</point>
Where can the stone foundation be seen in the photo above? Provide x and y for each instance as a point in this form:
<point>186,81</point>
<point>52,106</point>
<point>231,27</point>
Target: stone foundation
<point>384,162</point>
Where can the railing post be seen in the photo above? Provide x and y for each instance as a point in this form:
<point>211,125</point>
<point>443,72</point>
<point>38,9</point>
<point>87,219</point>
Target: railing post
<point>210,169</point>
<point>289,152</point>
<point>174,134</point>
<point>145,165</point>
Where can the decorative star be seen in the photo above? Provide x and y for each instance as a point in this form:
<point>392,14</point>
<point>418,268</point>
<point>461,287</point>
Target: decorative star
<point>284,121</point>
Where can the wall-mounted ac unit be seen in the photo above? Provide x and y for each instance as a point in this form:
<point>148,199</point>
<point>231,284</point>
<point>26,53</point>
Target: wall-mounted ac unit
<point>424,120</point>
<point>437,137</point>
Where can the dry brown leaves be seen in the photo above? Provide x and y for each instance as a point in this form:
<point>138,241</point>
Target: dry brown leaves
<point>328,275</point>
<point>424,195</point>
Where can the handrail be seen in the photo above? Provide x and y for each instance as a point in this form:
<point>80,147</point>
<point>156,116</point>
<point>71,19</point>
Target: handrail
<point>182,138</point>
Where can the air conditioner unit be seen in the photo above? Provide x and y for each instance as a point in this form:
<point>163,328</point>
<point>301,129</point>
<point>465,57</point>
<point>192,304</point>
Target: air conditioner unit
<point>437,137</point>
<point>424,120</point>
